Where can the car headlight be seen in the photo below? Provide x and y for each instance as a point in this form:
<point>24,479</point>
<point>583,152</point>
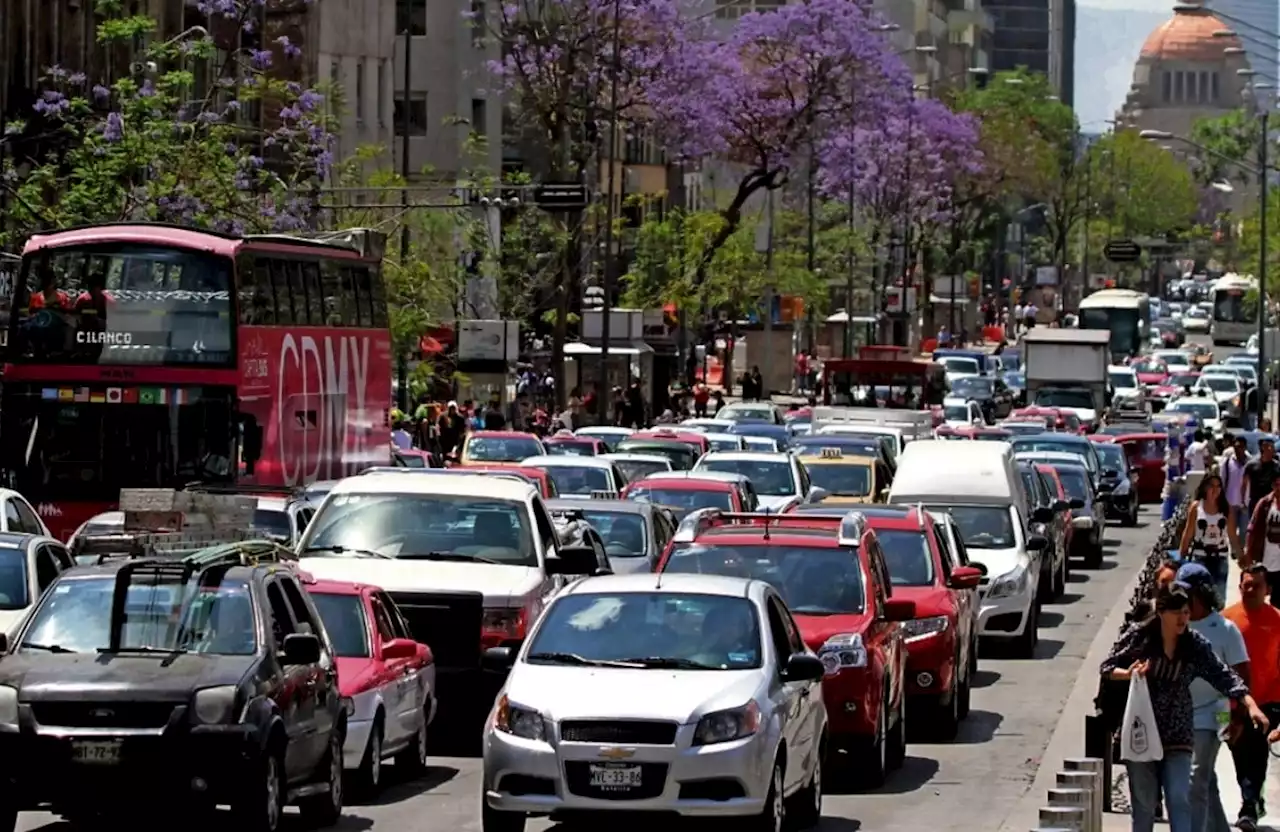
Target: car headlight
<point>215,706</point>
<point>1009,584</point>
<point>8,705</point>
<point>519,721</point>
<point>918,628</point>
<point>729,725</point>
<point>841,651</point>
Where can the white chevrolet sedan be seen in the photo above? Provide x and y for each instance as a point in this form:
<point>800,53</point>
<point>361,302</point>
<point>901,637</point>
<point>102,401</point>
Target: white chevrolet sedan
<point>694,696</point>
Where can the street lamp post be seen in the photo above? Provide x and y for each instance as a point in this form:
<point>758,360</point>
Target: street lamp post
<point>606,310</point>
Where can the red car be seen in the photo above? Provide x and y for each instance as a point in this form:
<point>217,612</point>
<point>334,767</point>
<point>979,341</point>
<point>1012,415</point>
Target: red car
<point>685,437</point>
<point>574,446</point>
<point>686,494</point>
<point>1146,452</point>
<point>942,638</point>
<point>387,679</point>
<point>1177,384</point>
<point>838,587</point>
<point>1054,418</point>
<point>537,476</point>
<point>1102,438</point>
<point>1151,372</point>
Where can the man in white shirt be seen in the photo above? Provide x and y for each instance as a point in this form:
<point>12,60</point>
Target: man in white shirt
<point>1019,313</point>
<point>1235,483</point>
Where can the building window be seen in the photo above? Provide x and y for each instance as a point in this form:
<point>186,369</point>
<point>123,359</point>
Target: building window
<point>411,16</point>
<point>479,23</point>
<point>479,117</point>
<point>417,116</point>
<point>1166,86</point>
<point>360,93</point>
<point>381,95</point>
<point>1177,86</point>
<point>1213,87</point>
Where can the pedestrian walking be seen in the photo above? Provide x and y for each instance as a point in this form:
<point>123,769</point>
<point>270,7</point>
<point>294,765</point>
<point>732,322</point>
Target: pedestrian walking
<point>1259,625</point>
<point>1261,472</point>
<point>1208,532</point>
<point>1212,715</point>
<point>1235,482</point>
<point>1170,655</point>
<point>1262,545</point>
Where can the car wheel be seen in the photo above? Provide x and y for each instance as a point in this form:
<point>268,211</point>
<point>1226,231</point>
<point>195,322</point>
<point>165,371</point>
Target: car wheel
<point>1026,643</point>
<point>263,803</point>
<point>973,656</point>
<point>808,801</point>
<point>368,777</point>
<point>966,696</point>
<point>773,817</point>
<point>895,753</point>
<point>1133,511</point>
<point>325,809</point>
<point>1059,582</point>
<point>947,707</point>
<point>413,759</point>
<point>1093,559</point>
<point>495,820</point>
<point>874,768</point>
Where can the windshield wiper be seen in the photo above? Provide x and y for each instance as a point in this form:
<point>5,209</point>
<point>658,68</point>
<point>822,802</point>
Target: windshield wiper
<point>347,550</point>
<point>574,658</point>
<point>48,648</point>
<point>142,648</point>
<point>667,662</point>
<point>448,556</point>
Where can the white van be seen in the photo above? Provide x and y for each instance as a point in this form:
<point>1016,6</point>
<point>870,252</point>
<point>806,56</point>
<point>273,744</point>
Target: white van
<point>978,484</point>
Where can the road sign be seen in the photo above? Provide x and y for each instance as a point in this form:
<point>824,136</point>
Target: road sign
<point>561,196</point>
<point>1122,251</point>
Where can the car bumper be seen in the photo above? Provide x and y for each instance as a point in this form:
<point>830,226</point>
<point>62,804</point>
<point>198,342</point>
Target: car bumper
<point>725,779</point>
<point>1118,505</point>
<point>358,731</point>
<point>852,697</point>
<point>1005,617</point>
<point>931,662</point>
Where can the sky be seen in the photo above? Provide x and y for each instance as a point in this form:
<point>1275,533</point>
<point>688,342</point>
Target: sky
<point>1109,36</point>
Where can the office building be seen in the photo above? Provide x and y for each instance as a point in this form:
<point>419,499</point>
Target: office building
<point>1038,35</point>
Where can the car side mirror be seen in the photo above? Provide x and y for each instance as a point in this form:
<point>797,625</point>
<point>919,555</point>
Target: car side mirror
<point>399,648</point>
<point>817,495</point>
<point>981,567</point>
<point>301,648</point>
<point>965,577</point>
<point>1061,505</point>
<point>1076,503</point>
<point>1037,543</point>
<point>899,609</point>
<point>803,667</point>
<point>1043,514</point>
<point>498,659</point>
<point>573,560</point>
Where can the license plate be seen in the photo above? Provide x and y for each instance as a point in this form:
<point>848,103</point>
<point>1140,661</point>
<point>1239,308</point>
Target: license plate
<point>615,776</point>
<point>96,753</point>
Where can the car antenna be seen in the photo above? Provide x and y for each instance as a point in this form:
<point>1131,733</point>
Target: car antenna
<point>766,525</point>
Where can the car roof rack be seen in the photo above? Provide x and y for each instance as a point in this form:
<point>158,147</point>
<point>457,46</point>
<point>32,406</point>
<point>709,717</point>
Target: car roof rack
<point>852,523</point>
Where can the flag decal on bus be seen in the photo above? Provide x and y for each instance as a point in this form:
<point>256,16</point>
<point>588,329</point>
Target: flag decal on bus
<point>114,395</point>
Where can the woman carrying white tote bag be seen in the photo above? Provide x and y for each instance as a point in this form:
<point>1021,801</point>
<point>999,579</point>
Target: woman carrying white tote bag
<point>1161,656</point>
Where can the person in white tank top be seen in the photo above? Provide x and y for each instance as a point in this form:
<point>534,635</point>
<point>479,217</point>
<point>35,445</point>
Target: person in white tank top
<point>1209,535</point>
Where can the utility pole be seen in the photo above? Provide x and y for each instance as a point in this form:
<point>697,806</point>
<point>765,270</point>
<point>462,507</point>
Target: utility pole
<point>1088,214</point>
<point>848,289</point>
<point>1264,393</point>
<point>812,234</point>
<point>606,312</point>
<point>768,304</point>
<point>402,366</point>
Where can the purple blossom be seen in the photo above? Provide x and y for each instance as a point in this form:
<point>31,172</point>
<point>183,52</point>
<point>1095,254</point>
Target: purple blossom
<point>113,127</point>
<point>51,103</point>
<point>260,59</point>
<point>148,89</point>
<point>291,51</point>
<point>77,79</point>
<point>309,100</point>
<point>101,94</point>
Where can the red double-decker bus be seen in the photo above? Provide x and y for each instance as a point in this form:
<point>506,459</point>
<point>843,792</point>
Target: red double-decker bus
<point>143,356</point>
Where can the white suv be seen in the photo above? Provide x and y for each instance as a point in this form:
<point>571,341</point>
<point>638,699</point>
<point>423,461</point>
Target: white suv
<point>470,561</point>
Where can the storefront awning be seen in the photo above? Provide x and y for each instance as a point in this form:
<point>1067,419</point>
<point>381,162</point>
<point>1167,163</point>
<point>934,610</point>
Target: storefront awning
<point>842,317</point>
<point>575,349</point>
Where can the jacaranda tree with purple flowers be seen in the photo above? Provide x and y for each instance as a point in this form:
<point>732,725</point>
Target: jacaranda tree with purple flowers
<point>243,150</point>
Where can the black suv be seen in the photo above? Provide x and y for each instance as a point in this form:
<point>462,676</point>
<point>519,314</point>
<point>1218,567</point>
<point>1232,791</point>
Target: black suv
<point>203,679</point>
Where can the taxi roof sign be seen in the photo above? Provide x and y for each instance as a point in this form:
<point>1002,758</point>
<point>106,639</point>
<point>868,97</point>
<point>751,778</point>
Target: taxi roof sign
<point>832,453</point>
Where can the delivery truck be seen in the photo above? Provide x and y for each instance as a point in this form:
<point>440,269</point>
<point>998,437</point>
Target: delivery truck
<point>1067,368</point>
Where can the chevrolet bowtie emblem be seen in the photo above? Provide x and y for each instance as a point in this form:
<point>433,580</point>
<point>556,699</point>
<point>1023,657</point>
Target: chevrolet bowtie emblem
<point>617,753</point>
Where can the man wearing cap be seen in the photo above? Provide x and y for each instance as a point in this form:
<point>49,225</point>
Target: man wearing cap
<point>1212,713</point>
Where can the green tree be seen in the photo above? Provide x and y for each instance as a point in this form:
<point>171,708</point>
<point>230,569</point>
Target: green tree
<point>1139,189</point>
<point>1231,139</point>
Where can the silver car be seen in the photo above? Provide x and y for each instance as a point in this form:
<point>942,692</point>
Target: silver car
<point>692,694</point>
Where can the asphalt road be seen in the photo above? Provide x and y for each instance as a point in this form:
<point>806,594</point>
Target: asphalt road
<point>971,783</point>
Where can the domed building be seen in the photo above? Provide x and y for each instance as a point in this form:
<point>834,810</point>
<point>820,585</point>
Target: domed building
<point>1185,73</point>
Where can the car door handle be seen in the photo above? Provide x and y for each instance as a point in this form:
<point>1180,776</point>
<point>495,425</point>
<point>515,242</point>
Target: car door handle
<point>805,691</point>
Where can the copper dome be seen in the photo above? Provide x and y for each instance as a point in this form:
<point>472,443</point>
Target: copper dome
<point>1188,36</point>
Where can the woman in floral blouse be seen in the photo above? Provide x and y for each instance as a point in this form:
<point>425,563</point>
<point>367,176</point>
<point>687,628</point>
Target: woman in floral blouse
<point>1170,655</point>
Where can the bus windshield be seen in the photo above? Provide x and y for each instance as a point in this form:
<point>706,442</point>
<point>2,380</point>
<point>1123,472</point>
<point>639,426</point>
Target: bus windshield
<point>75,443</point>
<point>1232,306</point>
<point>1123,324</point>
<point>123,303</point>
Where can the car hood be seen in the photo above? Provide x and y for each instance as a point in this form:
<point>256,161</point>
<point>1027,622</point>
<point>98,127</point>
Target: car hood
<point>125,677</point>
<point>357,675</point>
<point>1084,414</point>
<point>816,629</point>
<point>503,585</point>
<point>930,600</point>
<point>772,502</point>
<point>629,565</point>
<point>1152,378</point>
<point>562,692</point>
<point>10,619</point>
<point>999,561</point>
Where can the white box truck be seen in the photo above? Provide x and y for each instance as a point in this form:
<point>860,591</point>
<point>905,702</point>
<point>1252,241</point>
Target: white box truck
<point>1067,368</point>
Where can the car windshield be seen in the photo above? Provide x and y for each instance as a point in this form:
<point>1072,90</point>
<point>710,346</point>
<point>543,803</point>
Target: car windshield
<point>1220,383</point>
<point>1178,359</point>
<point>771,478</point>
<point>682,456</point>
<point>813,445</point>
<point>570,447</point>
<point>424,526</point>
<point>1183,379</point>
<point>638,469</point>
<point>961,366</point>
<point>1111,456</point>
<point>1201,410</point>
<point>206,613</point>
<point>981,527</point>
<point>955,413</point>
<point>1022,428</point>
<point>274,522</point>
<point>624,532</point>
<point>1017,380</point>
<point>725,443</point>
<point>812,580</point>
<point>973,388</point>
<point>1074,480</point>
<point>1079,449</point>
<point>1123,381</point>
<point>344,621</point>
<point>659,630</point>
<point>14,594</point>
<point>761,443</point>
<point>1148,367</point>
<point>907,555</point>
<point>683,500</point>
<point>505,449</point>
<point>841,480</point>
<point>1065,398</point>
<point>736,413</point>
<point>572,479</point>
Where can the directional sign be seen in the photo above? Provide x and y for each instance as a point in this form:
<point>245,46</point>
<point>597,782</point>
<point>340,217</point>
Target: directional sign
<point>564,196</point>
<point>1122,251</point>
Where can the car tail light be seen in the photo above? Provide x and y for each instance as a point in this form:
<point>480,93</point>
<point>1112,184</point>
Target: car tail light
<point>499,624</point>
